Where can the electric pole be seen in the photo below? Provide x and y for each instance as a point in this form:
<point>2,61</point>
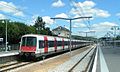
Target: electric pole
<point>70,20</point>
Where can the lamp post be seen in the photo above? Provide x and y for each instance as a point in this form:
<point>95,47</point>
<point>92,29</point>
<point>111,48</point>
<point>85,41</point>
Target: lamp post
<point>115,28</point>
<point>70,20</point>
<point>6,48</point>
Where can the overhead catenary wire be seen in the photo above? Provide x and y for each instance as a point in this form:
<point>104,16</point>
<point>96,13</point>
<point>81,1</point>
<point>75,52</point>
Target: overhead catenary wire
<point>11,7</point>
<point>13,16</point>
<point>82,14</point>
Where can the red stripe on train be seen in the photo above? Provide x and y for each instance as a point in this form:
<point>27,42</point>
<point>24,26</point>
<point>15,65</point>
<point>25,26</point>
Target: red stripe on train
<point>55,44</point>
<point>63,43</point>
<point>46,44</point>
<point>28,48</point>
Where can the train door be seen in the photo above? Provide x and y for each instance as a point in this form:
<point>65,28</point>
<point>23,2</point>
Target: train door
<point>45,44</point>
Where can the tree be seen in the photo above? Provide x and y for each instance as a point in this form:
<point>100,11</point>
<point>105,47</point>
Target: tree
<point>2,30</point>
<point>14,31</point>
<point>118,37</point>
<point>48,31</point>
<point>40,25</point>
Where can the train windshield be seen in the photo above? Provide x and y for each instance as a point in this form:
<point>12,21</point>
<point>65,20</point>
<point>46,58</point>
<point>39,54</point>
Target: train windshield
<point>29,41</point>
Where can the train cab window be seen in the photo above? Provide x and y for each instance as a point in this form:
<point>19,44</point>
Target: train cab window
<point>41,44</point>
<point>29,41</point>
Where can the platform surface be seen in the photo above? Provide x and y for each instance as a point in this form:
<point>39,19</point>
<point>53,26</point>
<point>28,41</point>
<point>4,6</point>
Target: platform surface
<point>9,53</point>
<point>109,59</point>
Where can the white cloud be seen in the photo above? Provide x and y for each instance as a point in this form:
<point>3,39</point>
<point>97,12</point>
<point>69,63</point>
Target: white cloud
<point>100,29</point>
<point>10,8</point>
<point>79,25</point>
<point>58,3</point>
<point>2,16</point>
<point>19,14</point>
<point>86,4</point>
<point>75,11</point>
<point>62,15</point>
<point>87,8</point>
<point>102,13</point>
<point>103,26</point>
<point>67,27</point>
<point>47,20</point>
<point>89,4</point>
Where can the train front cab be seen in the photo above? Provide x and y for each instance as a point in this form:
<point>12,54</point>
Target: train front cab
<point>28,46</point>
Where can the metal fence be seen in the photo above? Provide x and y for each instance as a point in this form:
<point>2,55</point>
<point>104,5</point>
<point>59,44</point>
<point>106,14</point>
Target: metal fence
<point>10,47</point>
<point>112,43</point>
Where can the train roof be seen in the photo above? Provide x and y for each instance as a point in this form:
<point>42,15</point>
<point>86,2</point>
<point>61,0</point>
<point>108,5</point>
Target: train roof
<point>36,35</point>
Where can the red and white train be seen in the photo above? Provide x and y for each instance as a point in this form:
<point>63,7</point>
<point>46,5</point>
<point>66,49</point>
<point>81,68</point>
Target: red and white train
<point>36,45</point>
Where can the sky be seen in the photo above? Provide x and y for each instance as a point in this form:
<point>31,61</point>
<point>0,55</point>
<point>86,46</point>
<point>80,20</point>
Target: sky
<point>105,14</point>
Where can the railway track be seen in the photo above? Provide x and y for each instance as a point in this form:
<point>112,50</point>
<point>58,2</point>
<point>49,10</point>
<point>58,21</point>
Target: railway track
<point>88,56</point>
<point>8,64</point>
<point>13,66</point>
<point>81,62</point>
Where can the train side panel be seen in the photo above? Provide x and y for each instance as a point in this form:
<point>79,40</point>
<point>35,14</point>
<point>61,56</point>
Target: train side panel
<point>51,45</point>
<point>40,45</point>
<point>47,44</point>
<point>66,43</point>
<point>59,43</point>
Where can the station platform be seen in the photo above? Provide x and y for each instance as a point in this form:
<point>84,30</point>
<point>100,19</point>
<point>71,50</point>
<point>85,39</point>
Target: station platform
<point>108,59</point>
<point>9,53</point>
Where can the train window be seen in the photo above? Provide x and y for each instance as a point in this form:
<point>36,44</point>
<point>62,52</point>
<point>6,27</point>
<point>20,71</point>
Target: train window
<point>41,44</point>
<point>29,41</point>
<point>66,43</point>
<point>23,41</point>
<point>73,42</point>
<point>51,43</point>
<point>59,43</point>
